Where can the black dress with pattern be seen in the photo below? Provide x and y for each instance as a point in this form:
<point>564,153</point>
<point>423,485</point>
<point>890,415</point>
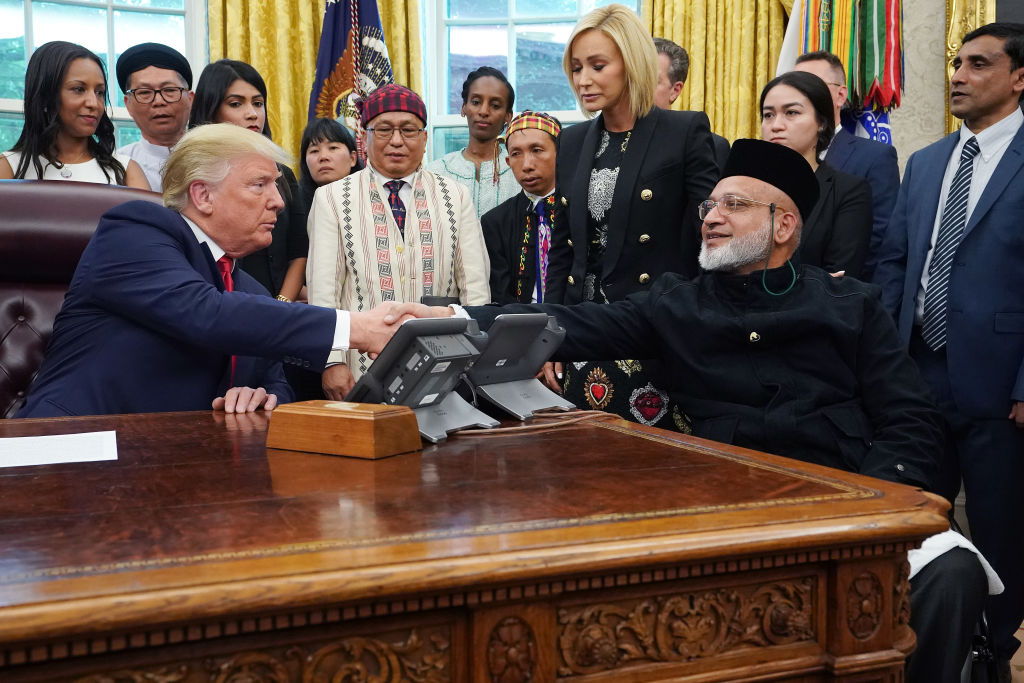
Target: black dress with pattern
<point>622,387</point>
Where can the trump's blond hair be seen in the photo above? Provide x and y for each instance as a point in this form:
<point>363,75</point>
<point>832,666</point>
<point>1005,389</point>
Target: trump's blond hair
<point>639,55</point>
<point>206,153</point>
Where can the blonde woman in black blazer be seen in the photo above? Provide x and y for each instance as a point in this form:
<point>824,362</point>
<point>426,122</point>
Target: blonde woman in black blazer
<point>628,184</point>
<point>629,180</point>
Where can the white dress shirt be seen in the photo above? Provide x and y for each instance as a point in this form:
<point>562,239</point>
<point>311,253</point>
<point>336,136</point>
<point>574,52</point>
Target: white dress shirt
<point>151,158</point>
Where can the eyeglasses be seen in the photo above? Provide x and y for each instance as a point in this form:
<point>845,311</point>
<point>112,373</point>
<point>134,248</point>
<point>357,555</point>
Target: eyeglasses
<point>385,133</point>
<point>147,95</point>
<point>728,204</point>
<point>838,85</point>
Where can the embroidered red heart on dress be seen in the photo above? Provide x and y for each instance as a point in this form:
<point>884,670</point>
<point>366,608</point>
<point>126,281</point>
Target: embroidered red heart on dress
<point>649,404</point>
<point>598,391</point>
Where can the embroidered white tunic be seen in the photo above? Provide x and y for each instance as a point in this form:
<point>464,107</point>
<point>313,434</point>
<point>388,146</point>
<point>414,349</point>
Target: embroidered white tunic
<point>359,259</point>
<point>485,193</point>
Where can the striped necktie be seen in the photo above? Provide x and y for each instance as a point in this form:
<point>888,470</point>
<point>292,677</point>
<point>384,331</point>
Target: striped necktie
<point>951,230</point>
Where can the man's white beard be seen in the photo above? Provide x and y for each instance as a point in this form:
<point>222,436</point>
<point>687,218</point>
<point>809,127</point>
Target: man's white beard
<point>739,252</point>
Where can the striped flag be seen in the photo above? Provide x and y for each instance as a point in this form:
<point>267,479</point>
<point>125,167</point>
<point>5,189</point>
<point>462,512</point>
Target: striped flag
<point>867,36</point>
<point>352,60</point>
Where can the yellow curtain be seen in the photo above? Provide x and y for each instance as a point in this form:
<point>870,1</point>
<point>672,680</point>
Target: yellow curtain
<point>280,39</point>
<point>734,48</point>
<point>400,20</point>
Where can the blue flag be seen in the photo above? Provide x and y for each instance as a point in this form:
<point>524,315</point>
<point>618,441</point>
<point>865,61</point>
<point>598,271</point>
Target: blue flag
<point>352,61</point>
<point>871,124</point>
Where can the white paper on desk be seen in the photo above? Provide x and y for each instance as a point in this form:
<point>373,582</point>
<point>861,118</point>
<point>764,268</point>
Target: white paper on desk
<point>20,451</point>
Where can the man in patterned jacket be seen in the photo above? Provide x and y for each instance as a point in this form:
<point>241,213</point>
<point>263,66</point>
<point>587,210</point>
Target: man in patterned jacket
<point>393,231</point>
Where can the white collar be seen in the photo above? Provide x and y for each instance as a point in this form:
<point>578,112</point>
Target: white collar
<point>381,178</point>
<point>996,136</point>
<point>203,238</point>
<point>534,198</point>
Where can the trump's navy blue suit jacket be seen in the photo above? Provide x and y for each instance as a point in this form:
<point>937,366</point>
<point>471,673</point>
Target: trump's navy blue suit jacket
<point>985,305</point>
<point>147,326</point>
<point>875,162</point>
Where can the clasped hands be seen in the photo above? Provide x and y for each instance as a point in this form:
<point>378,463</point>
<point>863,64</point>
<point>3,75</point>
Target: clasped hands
<point>369,331</point>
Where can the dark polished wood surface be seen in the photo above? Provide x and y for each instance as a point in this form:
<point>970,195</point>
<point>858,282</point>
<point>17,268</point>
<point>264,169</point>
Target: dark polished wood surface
<point>198,520</point>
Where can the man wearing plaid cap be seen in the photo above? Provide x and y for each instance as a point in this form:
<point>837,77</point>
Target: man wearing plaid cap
<point>518,231</point>
<point>393,231</point>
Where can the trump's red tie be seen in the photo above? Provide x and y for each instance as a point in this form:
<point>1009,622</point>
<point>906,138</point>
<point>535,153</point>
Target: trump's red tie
<point>224,264</point>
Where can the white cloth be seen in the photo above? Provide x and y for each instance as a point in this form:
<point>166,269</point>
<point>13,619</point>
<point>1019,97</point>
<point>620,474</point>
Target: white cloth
<point>151,158</point>
<point>359,259</point>
<point>342,326</point>
<point>86,172</point>
<point>992,143</point>
<point>940,544</point>
<point>485,193</point>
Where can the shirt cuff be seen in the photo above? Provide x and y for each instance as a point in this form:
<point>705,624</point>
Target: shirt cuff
<point>458,311</point>
<point>342,331</point>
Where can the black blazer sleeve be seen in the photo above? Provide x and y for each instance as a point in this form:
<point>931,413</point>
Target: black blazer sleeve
<point>852,224</point>
<point>837,234</point>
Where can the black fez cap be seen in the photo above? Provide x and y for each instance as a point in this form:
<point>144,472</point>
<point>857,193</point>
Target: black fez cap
<point>140,56</point>
<point>777,165</point>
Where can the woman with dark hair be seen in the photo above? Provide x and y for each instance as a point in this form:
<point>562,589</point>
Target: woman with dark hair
<point>487,100</point>
<point>327,153</point>
<point>67,133</point>
<point>230,91</point>
<point>797,111</point>
<point>629,182</point>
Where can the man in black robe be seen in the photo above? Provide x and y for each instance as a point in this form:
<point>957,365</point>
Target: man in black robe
<point>789,360</point>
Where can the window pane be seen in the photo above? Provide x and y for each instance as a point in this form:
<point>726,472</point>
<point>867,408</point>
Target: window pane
<point>447,140</point>
<point>160,4</point>
<point>587,5</point>
<point>477,9</point>
<point>83,25</point>
<point>546,8</point>
<point>540,82</point>
<point>126,132</point>
<point>10,130</point>
<point>132,28</point>
<point>470,47</point>
<point>12,49</point>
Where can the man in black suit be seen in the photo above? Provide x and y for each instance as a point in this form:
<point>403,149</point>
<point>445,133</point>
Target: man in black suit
<point>518,231</point>
<point>673,67</point>
<point>871,160</point>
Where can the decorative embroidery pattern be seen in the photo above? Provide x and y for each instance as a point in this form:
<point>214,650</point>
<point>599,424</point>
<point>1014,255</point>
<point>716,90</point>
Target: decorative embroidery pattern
<point>648,404</point>
<point>629,366</point>
<point>598,389</point>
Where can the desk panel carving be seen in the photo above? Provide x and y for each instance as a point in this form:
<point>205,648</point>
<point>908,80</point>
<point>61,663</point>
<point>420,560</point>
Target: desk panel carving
<point>686,626</point>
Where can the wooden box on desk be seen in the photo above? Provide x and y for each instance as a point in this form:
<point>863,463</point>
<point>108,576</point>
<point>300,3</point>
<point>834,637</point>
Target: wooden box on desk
<point>358,430</point>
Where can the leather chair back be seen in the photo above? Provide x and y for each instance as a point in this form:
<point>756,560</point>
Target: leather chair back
<point>44,227</point>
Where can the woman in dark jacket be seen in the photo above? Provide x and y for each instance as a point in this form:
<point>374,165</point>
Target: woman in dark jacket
<point>629,182</point>
<point>796,111</point>
<point>230,91</point>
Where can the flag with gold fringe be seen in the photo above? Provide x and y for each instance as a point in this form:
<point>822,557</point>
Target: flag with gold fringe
<point>352,60</point>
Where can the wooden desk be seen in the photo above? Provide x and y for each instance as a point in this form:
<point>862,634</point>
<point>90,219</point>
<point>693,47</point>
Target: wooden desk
<point>601,552</point>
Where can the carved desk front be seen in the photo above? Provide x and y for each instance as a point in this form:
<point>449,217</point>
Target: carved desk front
<point>601,552</point>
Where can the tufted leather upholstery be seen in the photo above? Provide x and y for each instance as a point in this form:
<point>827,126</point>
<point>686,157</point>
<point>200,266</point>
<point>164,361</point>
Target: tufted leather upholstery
<point>44,227</point>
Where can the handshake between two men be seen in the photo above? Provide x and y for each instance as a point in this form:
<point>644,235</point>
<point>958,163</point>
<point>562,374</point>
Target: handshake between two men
<point>368,331</point>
